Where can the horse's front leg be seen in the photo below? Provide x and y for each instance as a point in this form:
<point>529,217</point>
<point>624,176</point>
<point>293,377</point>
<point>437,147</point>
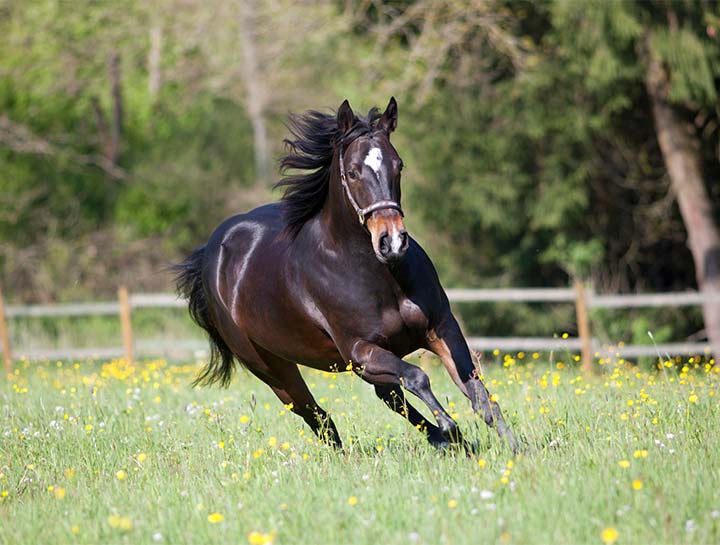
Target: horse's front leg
<point>382,368</point>
<point>448,342</point>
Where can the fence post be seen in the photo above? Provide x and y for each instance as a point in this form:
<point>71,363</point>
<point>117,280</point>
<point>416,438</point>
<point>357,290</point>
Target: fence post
<point>126,323</point>
<point>4,338</point>
<point>583,324</point>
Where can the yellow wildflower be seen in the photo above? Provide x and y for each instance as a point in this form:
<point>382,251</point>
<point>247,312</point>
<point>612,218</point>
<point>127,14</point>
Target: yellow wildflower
<point>609,535</point>
<point>215,518</point>
<point>120,523</point>
<point>258,538</point>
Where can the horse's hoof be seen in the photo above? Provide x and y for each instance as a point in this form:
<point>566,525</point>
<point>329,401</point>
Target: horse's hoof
<point>471,447</point>
<point>439,442</point>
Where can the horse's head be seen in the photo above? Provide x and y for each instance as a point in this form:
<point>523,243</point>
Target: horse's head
<point>370,173</point>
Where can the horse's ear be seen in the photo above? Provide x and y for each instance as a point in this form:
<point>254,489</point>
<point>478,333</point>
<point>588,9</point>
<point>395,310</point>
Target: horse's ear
<point>345,117</point>
<point>388,121</point>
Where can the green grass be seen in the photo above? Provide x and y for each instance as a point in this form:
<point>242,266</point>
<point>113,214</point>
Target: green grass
<point>105,453</point>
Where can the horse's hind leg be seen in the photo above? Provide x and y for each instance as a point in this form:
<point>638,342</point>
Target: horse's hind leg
<point>448,343</point>
<point>290,387</point>
<point>394,397</point>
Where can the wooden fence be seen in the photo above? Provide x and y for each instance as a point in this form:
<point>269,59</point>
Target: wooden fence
<point>582,299</point>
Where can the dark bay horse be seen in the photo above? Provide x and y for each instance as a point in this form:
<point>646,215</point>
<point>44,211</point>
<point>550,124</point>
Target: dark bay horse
<point>329,278</point>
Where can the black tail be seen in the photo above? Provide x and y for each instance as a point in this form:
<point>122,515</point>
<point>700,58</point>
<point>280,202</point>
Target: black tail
<point>188,278</point>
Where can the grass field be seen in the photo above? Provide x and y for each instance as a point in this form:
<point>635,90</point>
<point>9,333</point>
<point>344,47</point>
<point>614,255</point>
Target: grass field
<point>96,452</point>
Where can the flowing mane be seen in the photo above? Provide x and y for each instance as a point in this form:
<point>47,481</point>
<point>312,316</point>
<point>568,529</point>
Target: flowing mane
<point>315,136</point>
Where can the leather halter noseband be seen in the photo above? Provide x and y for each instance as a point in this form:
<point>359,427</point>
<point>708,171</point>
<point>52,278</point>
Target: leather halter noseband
<point>363,213</point>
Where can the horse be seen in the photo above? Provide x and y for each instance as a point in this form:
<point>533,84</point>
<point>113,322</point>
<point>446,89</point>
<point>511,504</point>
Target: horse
<point>329,278</point>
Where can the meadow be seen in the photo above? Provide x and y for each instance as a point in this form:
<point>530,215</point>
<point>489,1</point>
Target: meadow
<point>105,452</point>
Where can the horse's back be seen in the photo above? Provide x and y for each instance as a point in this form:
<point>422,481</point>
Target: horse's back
<point>236,244</point>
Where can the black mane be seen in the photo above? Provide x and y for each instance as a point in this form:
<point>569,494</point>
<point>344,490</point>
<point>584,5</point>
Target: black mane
<point>315,136</point>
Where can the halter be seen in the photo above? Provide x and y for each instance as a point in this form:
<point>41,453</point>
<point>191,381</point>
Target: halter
<point>363,213</point>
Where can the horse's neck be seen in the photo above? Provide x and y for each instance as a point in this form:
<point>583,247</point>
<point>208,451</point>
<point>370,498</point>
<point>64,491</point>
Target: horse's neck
<point>340,226</point>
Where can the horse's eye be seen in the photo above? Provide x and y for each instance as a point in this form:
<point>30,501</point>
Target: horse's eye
<point>352,174</point>
<point>400,167</point>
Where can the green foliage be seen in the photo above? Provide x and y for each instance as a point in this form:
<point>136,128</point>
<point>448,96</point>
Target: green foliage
<point>693,63</point>
<point>531,156</point>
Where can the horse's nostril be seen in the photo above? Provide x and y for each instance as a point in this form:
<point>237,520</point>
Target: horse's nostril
<point>405,241</point>
<point>384,244</point>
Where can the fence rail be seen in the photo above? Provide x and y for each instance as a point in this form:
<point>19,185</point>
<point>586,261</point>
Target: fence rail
<point>582,298</point>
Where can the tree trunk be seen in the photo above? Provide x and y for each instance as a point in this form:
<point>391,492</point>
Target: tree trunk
<point>154,58</point>
<point>681,152</point>
<point>253,88</point>
<point>113,153</point>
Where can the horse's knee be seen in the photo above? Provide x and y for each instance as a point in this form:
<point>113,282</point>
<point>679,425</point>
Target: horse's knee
<point>416,380</point>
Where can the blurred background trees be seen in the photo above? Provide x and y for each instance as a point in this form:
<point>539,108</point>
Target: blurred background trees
<point>543,141</point>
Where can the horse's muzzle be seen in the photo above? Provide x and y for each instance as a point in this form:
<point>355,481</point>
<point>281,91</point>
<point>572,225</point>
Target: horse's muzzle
<point>390,239</point>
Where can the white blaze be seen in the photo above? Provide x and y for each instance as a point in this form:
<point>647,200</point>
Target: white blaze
<point>374,160</point>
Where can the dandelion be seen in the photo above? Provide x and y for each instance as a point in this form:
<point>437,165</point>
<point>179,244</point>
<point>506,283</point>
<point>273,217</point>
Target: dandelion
<point>214,518</point>
<point>452,504</point>
<point>624,464</point>
<point>352,500</point>
<point>609,535</point>
<point>637,484</point>
<point>259,538</point>
<point>121,475</point>
<point>640,454</point>
<point>693,398</point>
<point>141,457</point>
<point>482,463</point>
<point>244,419</point>
<point>272,441</point>
<point>59,493</point>
<point>120,523</point>
<point>75,529</point>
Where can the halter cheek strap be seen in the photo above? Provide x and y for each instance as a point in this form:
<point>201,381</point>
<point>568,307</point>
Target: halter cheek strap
<point>363,213</point>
